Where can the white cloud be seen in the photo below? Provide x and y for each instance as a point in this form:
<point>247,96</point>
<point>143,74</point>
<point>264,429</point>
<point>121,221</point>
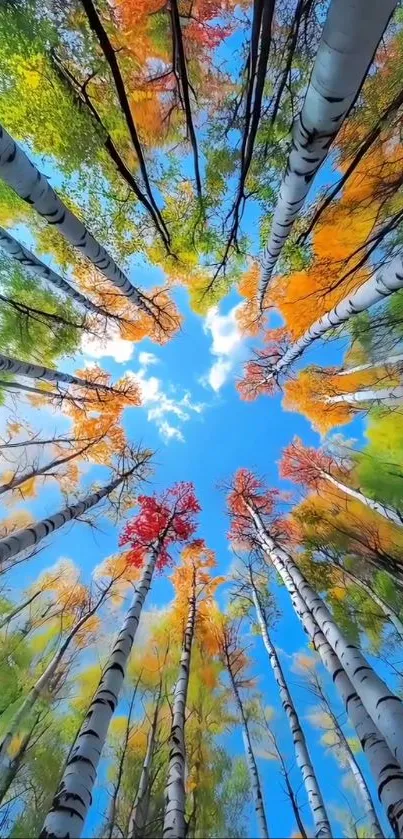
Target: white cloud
<point>160,404</point>
<point>147,358</point>
<point>228,345</point>
<point>111,344</point>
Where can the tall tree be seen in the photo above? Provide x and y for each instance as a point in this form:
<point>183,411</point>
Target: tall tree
<point>161,523</point>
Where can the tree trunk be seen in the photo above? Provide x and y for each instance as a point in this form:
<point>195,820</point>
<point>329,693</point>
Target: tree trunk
<point>5,619</point>
<point>35,266</point>
<point>250,759</point>
<point>389,396</point>
<point>44,681</point>
<point>386,772</point>
<point>355,770</point>
<point>304,763</point>
<point>341,659</point>
<point>391,361</point>
<point>349,39</point>
<point>107,831</point>
<point>373,291</point>
<point>387,512</point>
<point>16,367</point>
<point>74,794</point>
<point>175,795</point>
<point>20,540</point>
<point>43,470</point>
<point>139,813</point>
<point>26,180</point>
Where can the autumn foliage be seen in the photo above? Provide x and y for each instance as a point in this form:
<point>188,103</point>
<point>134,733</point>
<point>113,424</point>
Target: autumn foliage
<point>163,521</point>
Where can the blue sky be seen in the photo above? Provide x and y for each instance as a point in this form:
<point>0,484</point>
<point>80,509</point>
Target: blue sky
<point>200,430</point>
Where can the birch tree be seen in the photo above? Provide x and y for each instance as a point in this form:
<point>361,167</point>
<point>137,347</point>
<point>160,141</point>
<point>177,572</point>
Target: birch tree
<point>302,756</point>
<point>161,523</point>
<point>194,587</point>
<point>345,52</point>
<point>252,507</point>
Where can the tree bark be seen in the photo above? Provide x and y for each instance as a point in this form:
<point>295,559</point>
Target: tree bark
<point>26,180</point>
<point>15,543</point>
<point>139,813</point>
<point>250,759</point>
<point>355,770</point>
<point>44,681</point>
<point>28,260</point>
<point>388,396</point>
<point>16,367</point>
<point>373,291</point>
<point>304,763</point>
<point>74,794</point>
<point>175,795</point>
<point>383,708</point>
<point>387,512</point>
<point>350,37</point>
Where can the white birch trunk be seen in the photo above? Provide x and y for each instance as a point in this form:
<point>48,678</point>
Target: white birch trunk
<point>385,709</point>
<point>18,481</point>
<point>175,795</point>
<point>251,761</point>
<point>139,813</point>
<point>26,180</point>
<point>74,795</point>
<point>388,396</point>
<point>385,770</point>
<point>304,763</point>
<point>387,512</point>
<point>391,361</point>
<point>37,371</point>
<point>349,39</point>
<point>373,291</point>
<point>28,260</point>
<point>15,543</point>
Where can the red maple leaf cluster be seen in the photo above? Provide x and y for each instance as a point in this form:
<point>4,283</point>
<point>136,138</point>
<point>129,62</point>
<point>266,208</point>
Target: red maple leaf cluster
<point>165,520</point>
<point>303,464</point>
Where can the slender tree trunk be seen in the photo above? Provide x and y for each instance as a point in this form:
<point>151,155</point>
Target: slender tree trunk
<point>175,795</point>
<point>45,679</point>
<point>389,396</point>
<point>14,765</point>
<point>43,470</point>
<point>107,831</point>
<point>355,770</point>
<point>350,37</point>
<point>250,759</point>
<point>386,281</point>
<point>391,361</point>
<point>28,260</point>
<point>387,610</point>
<point>139,813</point>
<point>304,763</point>
<point>5,620</point>
<point>74,794</point>
<point>44,394</point>
<point>20,540</point>
<point>382,705</point>
<point>385,767</point>
<point>16,367</point>
<point>386,771</point>
<point>26,180</point>
<point>387,512</point>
